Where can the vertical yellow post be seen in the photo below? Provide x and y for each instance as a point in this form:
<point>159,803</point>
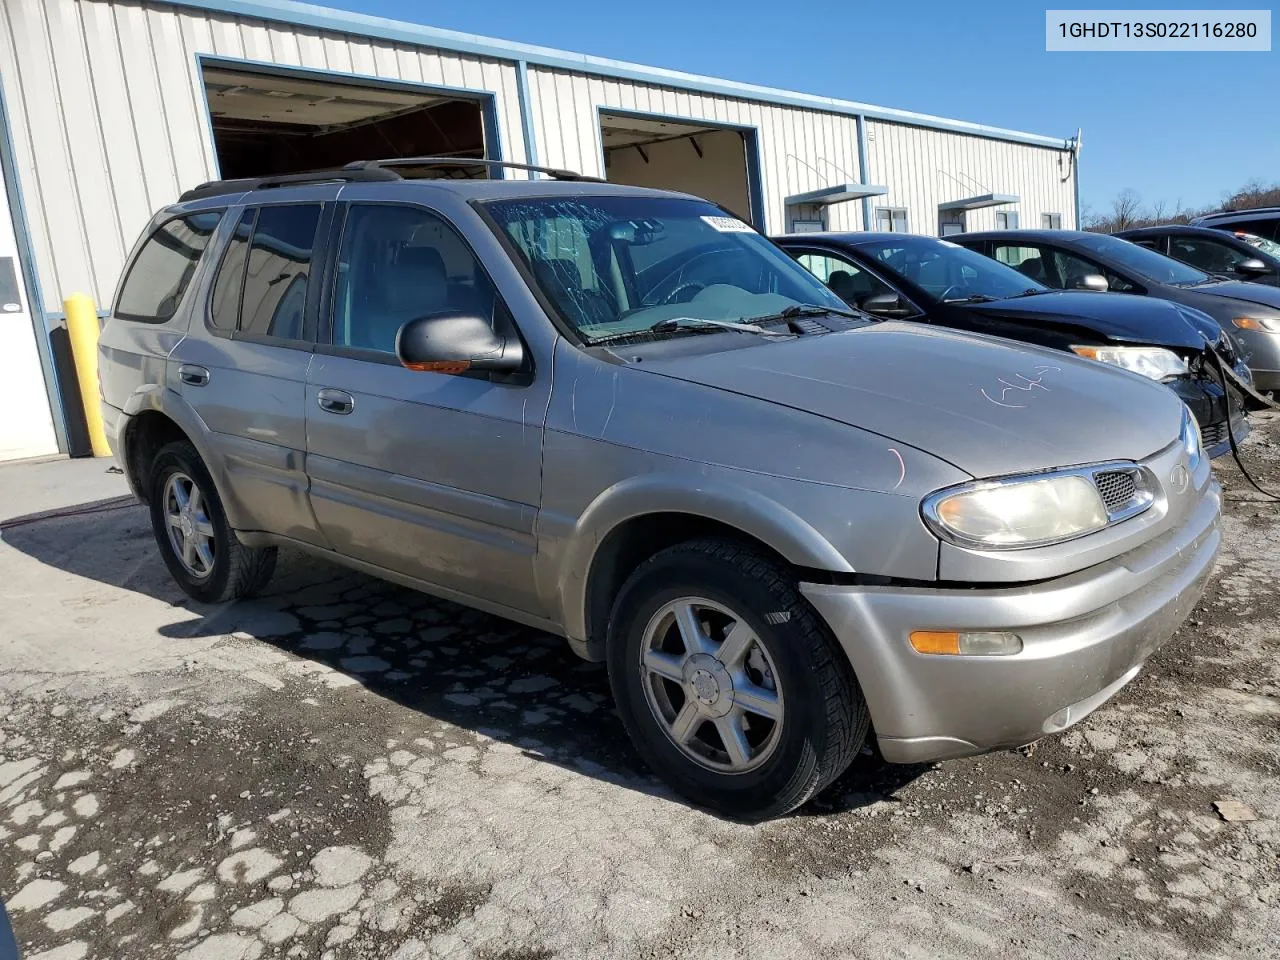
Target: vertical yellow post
<point>82,331</point>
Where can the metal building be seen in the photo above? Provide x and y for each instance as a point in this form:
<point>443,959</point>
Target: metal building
<point>110,108</point>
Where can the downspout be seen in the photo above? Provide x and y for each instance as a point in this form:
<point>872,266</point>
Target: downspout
<point>862,168</point>
<point>526,115</point>
<point>1075,172</point>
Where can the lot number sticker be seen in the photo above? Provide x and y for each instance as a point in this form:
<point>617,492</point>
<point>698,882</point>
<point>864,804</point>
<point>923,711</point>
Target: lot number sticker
<point>727,225</point>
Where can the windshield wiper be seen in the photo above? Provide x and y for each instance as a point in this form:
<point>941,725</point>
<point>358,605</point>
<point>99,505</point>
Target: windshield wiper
<point>1029,292</point>
<point>798,310</point>
<point>673,324</point>
<point>973,298</point>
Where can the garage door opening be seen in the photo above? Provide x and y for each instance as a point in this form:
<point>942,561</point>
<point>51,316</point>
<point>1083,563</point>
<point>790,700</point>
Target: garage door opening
<point>698,158</point>
<point>266,124</point>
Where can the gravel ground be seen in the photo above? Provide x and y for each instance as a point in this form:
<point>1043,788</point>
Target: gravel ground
<point>346,769</point>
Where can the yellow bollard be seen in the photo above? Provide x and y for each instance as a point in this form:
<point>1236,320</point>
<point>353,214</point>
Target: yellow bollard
<point>82,330</point>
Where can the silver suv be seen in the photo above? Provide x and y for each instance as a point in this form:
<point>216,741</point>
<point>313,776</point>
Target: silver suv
<point>625,417</point>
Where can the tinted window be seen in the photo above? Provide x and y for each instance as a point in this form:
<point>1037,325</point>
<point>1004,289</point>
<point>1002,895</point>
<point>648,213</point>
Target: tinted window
<point>847,280</point>
<point>224,307</point>
<point>1209,255</point>
<point>1069,270</point>
<point>1144,262</point>
<point>945,270</point>
<point>275,284</point>
<point>1028,261</point>
<point>582,253</point>
<point>164,267</point>
<point>396,264</point>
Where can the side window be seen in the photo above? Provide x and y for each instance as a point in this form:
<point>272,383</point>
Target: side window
<point>1028,261</point>
<point>1209,255</point>
<point>164,267</point>
<point>278,270</point>
<point>396,264</point>
<point>1070,270</point>
<point>228,285</point>
<point>1158,244</point>
<point>849,282</point>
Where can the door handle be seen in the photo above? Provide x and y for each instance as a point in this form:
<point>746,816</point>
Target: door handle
<point>335,401</point>
<point>193,375</point>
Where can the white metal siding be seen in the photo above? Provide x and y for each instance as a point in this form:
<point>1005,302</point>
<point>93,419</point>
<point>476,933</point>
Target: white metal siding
<point>923,168</point>
<point>567,133</point>
<point>108,120</point>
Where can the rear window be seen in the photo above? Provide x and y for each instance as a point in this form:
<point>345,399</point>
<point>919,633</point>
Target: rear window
<point>160,274</point>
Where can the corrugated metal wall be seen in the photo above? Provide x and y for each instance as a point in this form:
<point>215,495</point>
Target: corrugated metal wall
<point>108,119</point>
<point>800,150</point>
<point>923,168</point>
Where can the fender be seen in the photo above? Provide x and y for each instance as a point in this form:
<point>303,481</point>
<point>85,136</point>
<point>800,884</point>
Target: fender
<point>731,504</point>
<point>158,398</point>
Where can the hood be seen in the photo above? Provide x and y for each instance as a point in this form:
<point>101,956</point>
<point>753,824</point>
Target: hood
<point>984,405</point>
<point>1260,293</point>
<point>1113,316</point>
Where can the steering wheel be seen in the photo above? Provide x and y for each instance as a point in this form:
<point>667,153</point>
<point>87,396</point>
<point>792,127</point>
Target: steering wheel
<point>693,285</point>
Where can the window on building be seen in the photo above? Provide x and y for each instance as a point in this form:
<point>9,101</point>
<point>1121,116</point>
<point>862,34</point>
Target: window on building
<point>950,223</point>
<point>891,219</point>
<point>228,285</point>
<point>396,264</point>
<point>163,269</point>
<point>1050,221</point>
<point>278,269</point>
<point>1006,219</point>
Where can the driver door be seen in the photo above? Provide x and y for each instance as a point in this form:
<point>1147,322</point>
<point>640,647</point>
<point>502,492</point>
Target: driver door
<point>434,476</point>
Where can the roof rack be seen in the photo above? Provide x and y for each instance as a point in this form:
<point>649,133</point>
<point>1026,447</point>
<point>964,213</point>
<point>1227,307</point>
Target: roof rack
<point>217,187</point>
<point>365,171</point>
<point>552,172</point>
<point>1237,213</point>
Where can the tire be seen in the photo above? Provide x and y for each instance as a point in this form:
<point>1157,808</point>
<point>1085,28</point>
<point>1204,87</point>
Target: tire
<point>658,684</point>
<point>226,569</point>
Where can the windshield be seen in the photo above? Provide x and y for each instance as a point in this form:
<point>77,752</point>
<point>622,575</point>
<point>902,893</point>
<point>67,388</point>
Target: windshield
<point>947,272</point>
<point>618,265</point>
<point>1262,243</point>
<point>1142,261</point>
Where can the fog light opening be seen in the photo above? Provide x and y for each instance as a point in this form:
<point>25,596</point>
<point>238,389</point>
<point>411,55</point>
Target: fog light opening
<point>966,643</point>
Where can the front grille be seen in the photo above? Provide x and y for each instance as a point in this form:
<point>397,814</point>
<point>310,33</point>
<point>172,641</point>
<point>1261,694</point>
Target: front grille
<point>1118,488</point>
<point>1213,434</point>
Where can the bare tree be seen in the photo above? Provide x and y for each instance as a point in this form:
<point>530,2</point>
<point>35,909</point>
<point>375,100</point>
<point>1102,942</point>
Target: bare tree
<point>1157,212</point>
<point>1124,209</point>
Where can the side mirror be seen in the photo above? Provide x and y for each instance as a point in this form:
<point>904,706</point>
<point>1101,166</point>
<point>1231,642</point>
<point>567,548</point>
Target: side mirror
<point>1092,281</point>
<point>1253,267</point>
<point>884,305</point>
<point>456,343</point>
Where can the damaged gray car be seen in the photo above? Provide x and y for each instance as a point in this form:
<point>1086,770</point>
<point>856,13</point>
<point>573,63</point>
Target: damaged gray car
<point>626,417</point>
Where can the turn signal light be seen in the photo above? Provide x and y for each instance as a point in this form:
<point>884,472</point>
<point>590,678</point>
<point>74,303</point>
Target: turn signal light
<point>1269,324</point>
<point>440,366</point>
<point>966,643</point>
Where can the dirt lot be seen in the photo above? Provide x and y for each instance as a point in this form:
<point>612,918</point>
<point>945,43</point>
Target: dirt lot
<point>345,769</point>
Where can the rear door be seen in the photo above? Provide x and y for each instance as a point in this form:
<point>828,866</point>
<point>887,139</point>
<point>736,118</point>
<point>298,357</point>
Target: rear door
<point>431,475</point>
<point>245,373</point>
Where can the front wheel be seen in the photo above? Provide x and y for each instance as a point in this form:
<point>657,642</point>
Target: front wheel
<point>197,544</point>
<point>730,685</point>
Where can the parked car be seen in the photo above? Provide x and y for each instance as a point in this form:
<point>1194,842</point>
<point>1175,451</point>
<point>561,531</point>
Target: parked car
<point>1232,255</point>
<point>935,281</point>
<point>1067,259</point>
<point>776,520</point>
<point>1260,221</point>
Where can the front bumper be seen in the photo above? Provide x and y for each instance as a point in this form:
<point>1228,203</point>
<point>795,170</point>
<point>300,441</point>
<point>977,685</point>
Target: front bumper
<point>1209,404</point>
<point>1084,637</point>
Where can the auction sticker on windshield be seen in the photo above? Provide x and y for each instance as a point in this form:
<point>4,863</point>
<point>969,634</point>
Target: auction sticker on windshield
<point>728,225</point>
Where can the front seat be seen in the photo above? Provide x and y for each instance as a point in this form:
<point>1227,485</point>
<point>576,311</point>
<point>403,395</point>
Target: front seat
<point>1033,267</point>
<point>413,285</point>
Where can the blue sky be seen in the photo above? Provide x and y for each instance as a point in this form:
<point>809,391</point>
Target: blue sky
<point>1178,127</point>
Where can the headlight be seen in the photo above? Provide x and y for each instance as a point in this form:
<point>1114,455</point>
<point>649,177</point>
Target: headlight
<point>1269,324</point>
<point>1154,362</point>
<point>1024,512</point>
<point>1191,439</point>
